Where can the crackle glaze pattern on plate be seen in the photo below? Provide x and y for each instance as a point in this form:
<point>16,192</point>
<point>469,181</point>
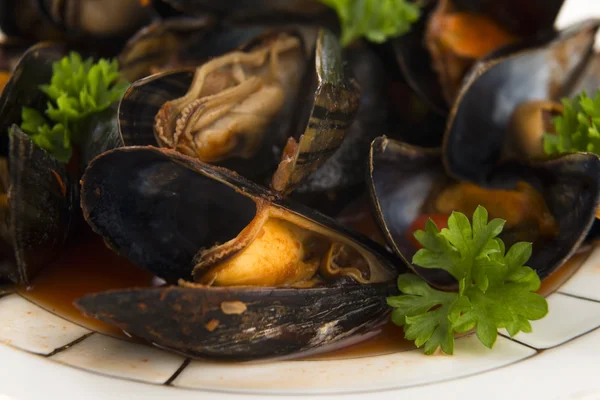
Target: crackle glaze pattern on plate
<point>560,357</point>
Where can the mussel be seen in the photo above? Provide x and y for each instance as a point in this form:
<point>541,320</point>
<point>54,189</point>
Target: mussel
<point>258,276</point>
<point>98,133</point>
<point>39,196</point>
<point>237,9</point>
<point>238,109</point>
<point>39,203</point>
<point>346,167</point>
<point>453,34</point>
<point>501,111</point>
<point>73,20</point>
<point>550,203</point>
<point>170,44</point>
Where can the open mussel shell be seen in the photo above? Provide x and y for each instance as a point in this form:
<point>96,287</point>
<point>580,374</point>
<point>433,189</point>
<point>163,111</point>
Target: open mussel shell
<point>99,132</point>
<point>145,98</point>
<point>244,324</point>
<point>416,64</point>
<point>327,109</point>
<point>165,211</point>
<point>145,51</point>
<point>324,106</point>
<point>240,9</point>
<point>523,19</point>
<point>404,179</point>
<point>169,43</point>
<point>105,23</point>
<point>41,197</point>
<point>90,18</point>
<point>479,123</point>
<point>38,210</point>
<point>346,167</point>
<point>18,17</point>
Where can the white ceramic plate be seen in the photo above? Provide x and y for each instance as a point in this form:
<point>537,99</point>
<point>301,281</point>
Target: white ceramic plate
<point>45,356</point>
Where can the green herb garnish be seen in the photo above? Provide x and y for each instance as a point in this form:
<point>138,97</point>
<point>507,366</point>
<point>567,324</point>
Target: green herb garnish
<point>77,89</point>
<point>377,20</point>
<point>496,290</point>
<point>577,128</point>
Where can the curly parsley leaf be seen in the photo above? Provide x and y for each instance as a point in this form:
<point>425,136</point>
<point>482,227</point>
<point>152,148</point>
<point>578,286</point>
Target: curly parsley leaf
<point>496,289</point>
<point>377,20</point>
<point>577,128</point>
<point>77,89</point>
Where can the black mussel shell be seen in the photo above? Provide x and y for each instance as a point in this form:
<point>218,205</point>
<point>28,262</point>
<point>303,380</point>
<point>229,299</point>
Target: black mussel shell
<point>529,19</point>
<point>327,109</point>
<point>327,103</point>
<point>479,122</point>
<point>90,18</point>
<point>416,64</point>
<point>19,17</point>
<point>346,168</point>
<point>403,178</point>
<point>104,24</point>
<point>41,209</point>
<point>42,196</point>
<point>158,208</point>
<point>240,9</point>
<point>244,323</point>
<point>174,42</point>
<point>99,132</point>
<point>145,97</point>
<point>34,69</point>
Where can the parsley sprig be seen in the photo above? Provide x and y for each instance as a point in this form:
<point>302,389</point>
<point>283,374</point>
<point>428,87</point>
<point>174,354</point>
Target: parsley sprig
<point>377,20</point>
<point>78,88</point>
<point>577,127</point>
<point>496,289</point>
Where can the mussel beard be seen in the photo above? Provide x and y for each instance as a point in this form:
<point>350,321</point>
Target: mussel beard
<point>232,101</point>
<point>281,249</point>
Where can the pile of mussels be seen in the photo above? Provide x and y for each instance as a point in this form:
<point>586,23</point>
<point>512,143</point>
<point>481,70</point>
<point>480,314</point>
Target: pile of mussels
<point>248,129</point>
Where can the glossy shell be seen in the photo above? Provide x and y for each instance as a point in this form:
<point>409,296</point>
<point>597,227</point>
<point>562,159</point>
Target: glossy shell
<point>42,197</point>
<point>330,101</point>
<point>42,204</point>
<point>89,25</point>
<point>244,9</point>
<point>169,43</point>
<point>243,324</point>
<point>34,69</point>
<point>199,204</point>
<point>403,178</point>
<point>479,122</point>
<point>346,167</point>
<point>524,19</point>
<point>325,107</point>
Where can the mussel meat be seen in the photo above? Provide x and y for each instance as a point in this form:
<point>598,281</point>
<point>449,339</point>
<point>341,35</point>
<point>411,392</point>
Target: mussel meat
<point>258,276</point>
<point>238,109</point>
